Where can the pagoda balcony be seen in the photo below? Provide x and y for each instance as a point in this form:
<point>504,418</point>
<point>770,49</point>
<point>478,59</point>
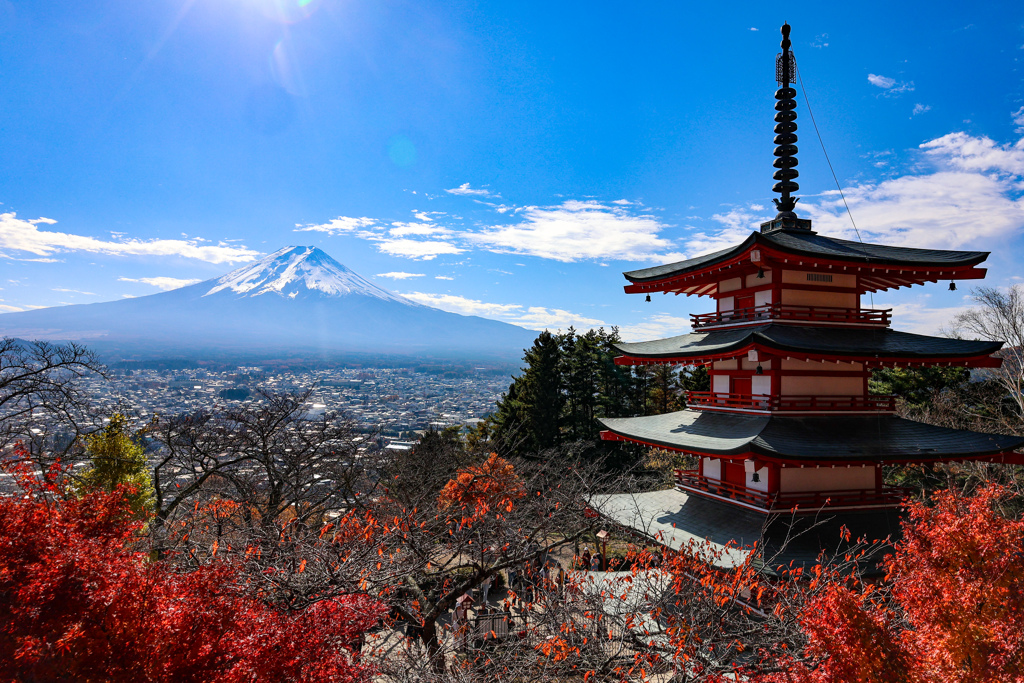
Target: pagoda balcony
<point>780,312</point>
<point>692,482</point>
<point>710,400</point>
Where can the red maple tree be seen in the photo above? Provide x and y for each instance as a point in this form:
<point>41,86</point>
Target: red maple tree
<point>80,600</point>
<point>951,609</point>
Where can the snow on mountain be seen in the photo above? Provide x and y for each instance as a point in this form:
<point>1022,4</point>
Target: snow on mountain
<point>297,300</point>
<point>289,271</point>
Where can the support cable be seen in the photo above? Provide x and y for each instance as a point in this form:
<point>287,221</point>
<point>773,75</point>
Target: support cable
<point>814,123</point>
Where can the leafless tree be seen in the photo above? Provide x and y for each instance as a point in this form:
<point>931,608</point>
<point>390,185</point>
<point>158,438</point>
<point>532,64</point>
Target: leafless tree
<point>999,316</point>
<point>43,401</point>
<point>270,462</point>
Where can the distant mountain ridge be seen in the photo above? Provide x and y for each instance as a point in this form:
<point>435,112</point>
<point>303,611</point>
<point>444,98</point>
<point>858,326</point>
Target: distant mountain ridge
<point>296,300</point>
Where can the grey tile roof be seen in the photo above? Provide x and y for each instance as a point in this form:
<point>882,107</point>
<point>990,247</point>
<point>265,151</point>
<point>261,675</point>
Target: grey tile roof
<point>724,533</point>
<point>827,438</point>
<point>812,244</point>
<point>841,341</point>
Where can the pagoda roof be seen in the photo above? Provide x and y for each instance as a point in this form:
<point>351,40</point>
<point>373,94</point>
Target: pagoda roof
<point>727,534</point>
<point>831,439</point>
<point>811,244</point>
<point>806,341</point>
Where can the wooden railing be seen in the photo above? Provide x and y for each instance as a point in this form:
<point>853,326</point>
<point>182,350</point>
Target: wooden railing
<point>821,314</point>
<point>692,481</point>
<point>711,399</point>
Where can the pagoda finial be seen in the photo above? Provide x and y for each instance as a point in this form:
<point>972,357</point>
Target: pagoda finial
<point>785,129</point>
<point>785,141</point>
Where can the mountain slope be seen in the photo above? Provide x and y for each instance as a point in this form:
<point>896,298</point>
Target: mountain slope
<point>295,300</point>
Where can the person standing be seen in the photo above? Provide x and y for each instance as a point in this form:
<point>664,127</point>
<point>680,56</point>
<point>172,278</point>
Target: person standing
<point>485,589</point>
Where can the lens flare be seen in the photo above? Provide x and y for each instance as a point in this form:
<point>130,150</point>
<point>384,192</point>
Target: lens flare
<point>285,71</point>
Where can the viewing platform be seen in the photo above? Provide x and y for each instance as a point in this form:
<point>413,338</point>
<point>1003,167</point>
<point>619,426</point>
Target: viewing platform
<point>803,314</point>
<point>710,400</point>
<point>806,501</point>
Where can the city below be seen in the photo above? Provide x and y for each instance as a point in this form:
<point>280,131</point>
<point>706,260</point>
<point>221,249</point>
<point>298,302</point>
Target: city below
<point>401,402</point>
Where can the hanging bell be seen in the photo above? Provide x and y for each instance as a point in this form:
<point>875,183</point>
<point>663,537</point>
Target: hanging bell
<point>755,477</point>
<point>760,273</point>
<point>952,286</point>
<point>759,371</point>
<point>648,298</point>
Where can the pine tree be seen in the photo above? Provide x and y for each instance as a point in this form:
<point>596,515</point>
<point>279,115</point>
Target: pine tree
<point>529,415</point>
<point>665,394</point>
<point>543,397</point>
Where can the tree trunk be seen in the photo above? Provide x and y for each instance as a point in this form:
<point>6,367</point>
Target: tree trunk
<point>428,636</point>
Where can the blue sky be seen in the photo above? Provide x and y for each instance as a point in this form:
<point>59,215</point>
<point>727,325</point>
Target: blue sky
<point>503,159</point>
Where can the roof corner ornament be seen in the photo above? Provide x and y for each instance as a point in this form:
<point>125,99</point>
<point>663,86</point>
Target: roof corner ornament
<point>785,141</point>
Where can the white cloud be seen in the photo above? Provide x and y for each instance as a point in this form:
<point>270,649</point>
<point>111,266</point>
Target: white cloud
<point>920,109</point>
<point>23,235</point>
<point>464,190</point>
<point>418,229</point>
<point>968,153</point>
<point>1018,119</point>
<point>338,226</point>
<point>443,277</point>
<point>920,318</point>
<point>393,238</point>
<point>399,275</point>
<point>881,81</point>
<point>532,317</point>
<point>72,291</point>
<point>890,85</point>
<point>414,249</point>
<point>657,326</point>
<point>944,210</point>
<point>33,260</point>
<point>10,309</point>
<point>540,318</point>
<point>971,198</point>
<point>164,283</point>
<point>737,222</point>
<point>579,230</point>
<point>460,304</point>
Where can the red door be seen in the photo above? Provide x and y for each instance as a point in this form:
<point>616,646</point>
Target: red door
<point>740,385</point>
<point>734,473</point>
<point>743,307</point>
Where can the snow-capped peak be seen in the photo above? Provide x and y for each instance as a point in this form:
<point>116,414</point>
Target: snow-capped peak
<point>293,271</point>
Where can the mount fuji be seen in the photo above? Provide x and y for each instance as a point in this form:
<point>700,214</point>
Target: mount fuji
<point>297,300</point>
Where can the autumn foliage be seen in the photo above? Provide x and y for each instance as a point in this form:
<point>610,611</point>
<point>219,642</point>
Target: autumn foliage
<point>478,489</point>
<point>952,608</point>
<point>80,601</point>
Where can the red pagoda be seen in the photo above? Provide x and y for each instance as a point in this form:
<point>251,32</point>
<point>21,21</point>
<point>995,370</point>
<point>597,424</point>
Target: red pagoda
<point>789,421</point>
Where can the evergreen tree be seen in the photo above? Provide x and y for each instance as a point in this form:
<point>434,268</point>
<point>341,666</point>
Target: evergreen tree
<point>696,378</point>
<point>116,458</point>
<point>529,415</point>
<point>543,397</point>
<point>916,385</point>
<point>570,381</point>
<point>666,390</point>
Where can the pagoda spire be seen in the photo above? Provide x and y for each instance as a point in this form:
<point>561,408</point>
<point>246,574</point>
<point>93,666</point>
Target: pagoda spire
<point>785,141</point>
<point>785,128</point>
